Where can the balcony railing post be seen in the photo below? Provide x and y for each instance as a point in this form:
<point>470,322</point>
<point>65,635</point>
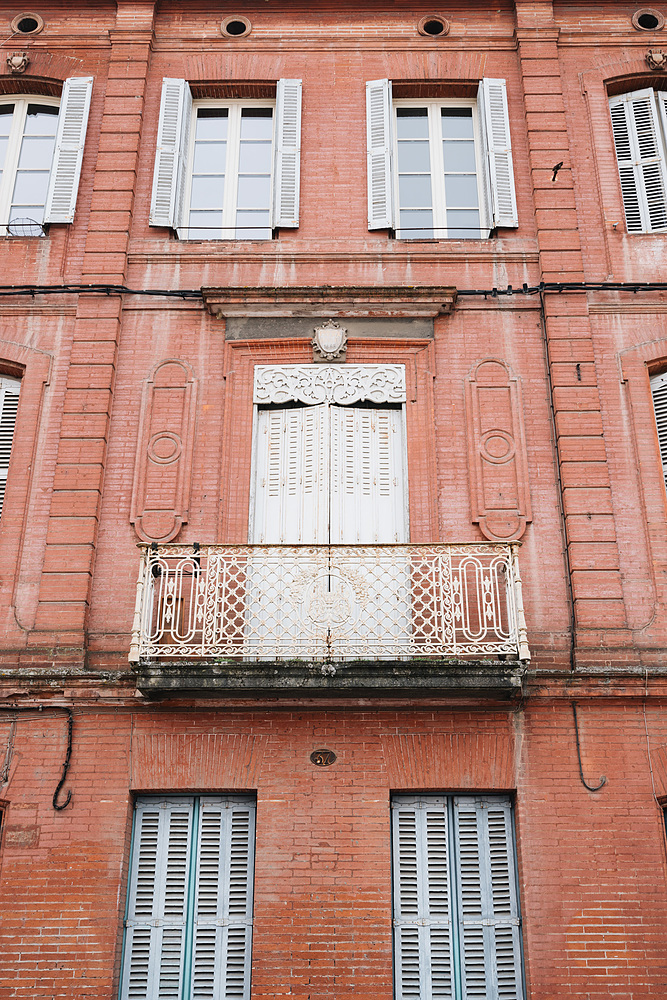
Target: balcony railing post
<point>522,632</point>
<point>136,623</point>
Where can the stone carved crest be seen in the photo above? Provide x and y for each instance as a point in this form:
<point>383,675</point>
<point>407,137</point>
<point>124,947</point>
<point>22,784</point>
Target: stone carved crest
<point>342,384</point>
<point>656,59</point>
<point>18,63</point>
<point>329,342</point>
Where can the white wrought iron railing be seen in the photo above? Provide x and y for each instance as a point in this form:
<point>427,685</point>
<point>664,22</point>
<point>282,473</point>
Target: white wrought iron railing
<point>323,603</point>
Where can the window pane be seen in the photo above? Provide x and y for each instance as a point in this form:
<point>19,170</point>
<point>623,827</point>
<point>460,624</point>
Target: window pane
<point>31,218</point>
<point>459,156</point>
<point>412,123</point>
<point>210,158</point>
<point>41,120</point>
<point>205,226</point>
<point>254,192</point>
<point>457,123</point>
<point>414,157</point>
<point>416,225</point>
<point>253,226</point>
<point>36,153</point>
<point>30,188</point>
<point>461,190</point>
<point>255,158</point>
<point>207,192</point>
<point>212,123</point>
<point>463,225</point>
<point>6,114</point>
<point>414,191</point>
<point>256,123</point>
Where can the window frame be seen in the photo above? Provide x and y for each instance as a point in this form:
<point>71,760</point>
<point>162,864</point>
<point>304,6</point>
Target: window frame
<point>230,197</point>
<point>637,162</point>
<point>16,135</point>
<point>437,173</point>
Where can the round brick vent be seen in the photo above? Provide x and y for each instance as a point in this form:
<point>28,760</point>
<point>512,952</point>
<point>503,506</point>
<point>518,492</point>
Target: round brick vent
<point>27,24</point>
<point>648,19</point>
<point>235,27</point>
<point>433,25</point>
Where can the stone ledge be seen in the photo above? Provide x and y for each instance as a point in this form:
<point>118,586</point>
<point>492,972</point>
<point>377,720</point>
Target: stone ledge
<point>330,300</point>
<point>497,678</point>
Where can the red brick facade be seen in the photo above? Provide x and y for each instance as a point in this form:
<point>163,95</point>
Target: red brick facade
<point>574,368</point>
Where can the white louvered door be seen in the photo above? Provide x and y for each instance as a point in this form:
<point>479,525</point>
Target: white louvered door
<point>488,911</point>
<point>497,143</point>
<point>223,900</point>
<point>379,155</point>
<point>422,899</point>
<point>68,152</point>
<point>158,896</point>
<point>659,393</point>
<point>9,404</point>
<point>640,154</point>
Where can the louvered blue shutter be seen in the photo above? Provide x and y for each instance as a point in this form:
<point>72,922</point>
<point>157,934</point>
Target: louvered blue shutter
<point>9,403</point>
<point>422,898</point>
<point>171,156</point>
<point>379,127</point>
<point>640,154</point>
<point>68,151</point>
<point>488,910</point>
<point>157,906</point>
<point>224,900</point>
<point>288,153</point>
<point>659,392</point>
<point>497,152</point>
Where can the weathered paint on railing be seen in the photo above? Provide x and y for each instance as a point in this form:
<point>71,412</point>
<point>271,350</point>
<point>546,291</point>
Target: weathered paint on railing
<point>322,603</point>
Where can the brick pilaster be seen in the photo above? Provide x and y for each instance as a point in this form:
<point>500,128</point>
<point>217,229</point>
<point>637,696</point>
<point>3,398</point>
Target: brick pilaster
<point>591,538</point>
<point>65,585</point>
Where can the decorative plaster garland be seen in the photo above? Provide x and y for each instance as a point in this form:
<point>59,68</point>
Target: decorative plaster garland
<point>342,384</point>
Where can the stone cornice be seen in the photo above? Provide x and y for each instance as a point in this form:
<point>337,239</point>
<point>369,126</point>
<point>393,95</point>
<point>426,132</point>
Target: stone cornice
<point>330,300</point>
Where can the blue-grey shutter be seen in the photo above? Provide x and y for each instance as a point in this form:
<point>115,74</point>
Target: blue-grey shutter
<point>659,393</point>
<point>171,156</point>
<point>68,150</point>
<point>422,898</point>
<point>158,895</point>
<point>9,403</point>
<point>287,156</point>
<point>224,899</point>
<point>488,909</point>
<point>379,128</point>
<point>497,149</point>
<point>640,155</point>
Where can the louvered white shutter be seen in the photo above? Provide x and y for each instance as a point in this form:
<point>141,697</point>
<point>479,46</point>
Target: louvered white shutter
<point>368,479</point>
<point>9,404</point>
<point>171,155</point>
<point>640,154</point>
<point>497,146</point>
<point>380,154</point>
<point>291,477</point>
<point>488,911</point>
<point>659,391</point>
<point>68,151</point>
<point>288,152</point>
<point>422,898</point>
<point>223,900</point>
<point>157,905</point>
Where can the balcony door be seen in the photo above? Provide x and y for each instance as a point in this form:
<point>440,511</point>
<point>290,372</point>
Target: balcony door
<point>329,475</point>
<point>329,486</point>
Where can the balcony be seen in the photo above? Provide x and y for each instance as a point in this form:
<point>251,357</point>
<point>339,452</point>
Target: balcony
<point>219,615</point>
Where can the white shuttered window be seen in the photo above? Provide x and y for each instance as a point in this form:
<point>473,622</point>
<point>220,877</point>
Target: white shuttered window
<point>639,124</point>
<point>440,169</point>
<point>9,404</point>
<point>227,169</point>
<point>189,914</point>
<point>659,393</point>
<point>456,911</point>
